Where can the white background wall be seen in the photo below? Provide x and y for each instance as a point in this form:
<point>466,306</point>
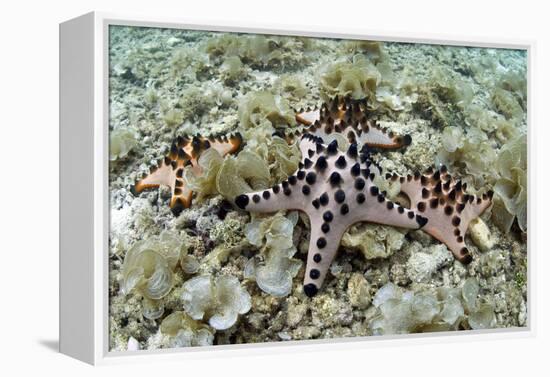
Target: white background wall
<point>29,185</point>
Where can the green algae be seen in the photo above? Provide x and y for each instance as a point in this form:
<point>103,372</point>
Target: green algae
<point>256,108</point>
<point>290,86</point>
<point>505,103</point>
<point>357,79</point>
<point>276,268</point>
<point>511,187</point>
<point>260,51</point>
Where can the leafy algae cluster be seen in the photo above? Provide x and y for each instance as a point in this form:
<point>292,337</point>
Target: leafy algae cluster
<point>218,276</point>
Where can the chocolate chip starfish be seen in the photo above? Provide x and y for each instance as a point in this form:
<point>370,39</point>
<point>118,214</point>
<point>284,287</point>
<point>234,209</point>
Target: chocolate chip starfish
<point>335,189</point>
<point>184,152</point>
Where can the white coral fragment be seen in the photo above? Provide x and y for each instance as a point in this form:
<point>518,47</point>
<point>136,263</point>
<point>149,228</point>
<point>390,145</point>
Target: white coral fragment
<point>220,300</point>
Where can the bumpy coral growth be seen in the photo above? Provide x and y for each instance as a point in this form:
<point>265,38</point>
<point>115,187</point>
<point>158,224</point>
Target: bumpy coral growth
<point>374,241</point>
<point>219,300</point>
<point>260,51</point>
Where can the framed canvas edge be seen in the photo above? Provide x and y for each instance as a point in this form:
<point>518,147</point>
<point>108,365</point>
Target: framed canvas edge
<point>102,21</point>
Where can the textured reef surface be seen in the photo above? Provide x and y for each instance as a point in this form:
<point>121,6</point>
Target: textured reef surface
<point>200,119</point>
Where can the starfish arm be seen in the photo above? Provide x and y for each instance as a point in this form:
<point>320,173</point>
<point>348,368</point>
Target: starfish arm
<point>308,117</point>
<point>323,246</point>
<point>283,196</point>
<point>378,209</point>
<point>377,137</point>
<point>169,172</point>
<point>449,209</point>
<point>183,152</point>
<point>350,118</point>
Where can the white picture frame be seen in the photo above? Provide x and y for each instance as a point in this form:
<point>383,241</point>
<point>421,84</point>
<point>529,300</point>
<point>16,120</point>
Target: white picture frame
<point>84,190</point>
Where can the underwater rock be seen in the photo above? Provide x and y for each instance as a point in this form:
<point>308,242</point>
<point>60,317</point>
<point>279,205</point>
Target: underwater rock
<point>133,344</point>
<point>219,300</point>
<point>481,235</point>
<point>328,311</point>
<point>296,312</point>
<point>421,266</point>
<point>358,291</point>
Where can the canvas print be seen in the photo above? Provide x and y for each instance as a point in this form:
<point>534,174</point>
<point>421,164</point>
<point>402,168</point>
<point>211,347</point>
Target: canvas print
<point>267,188</point>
